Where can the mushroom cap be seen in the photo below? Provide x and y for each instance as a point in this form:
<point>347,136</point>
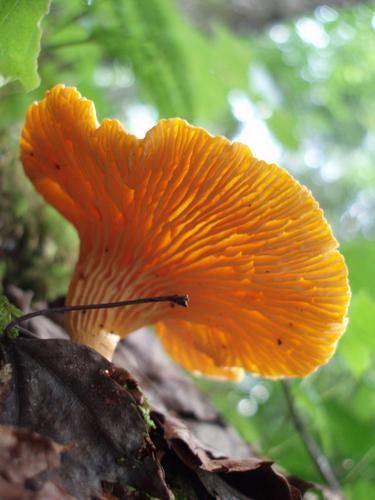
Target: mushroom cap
<point>183,212</point>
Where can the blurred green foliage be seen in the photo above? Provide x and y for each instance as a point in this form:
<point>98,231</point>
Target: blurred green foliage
<point>310,81</point>
<point>321,68</point>
<point>122,51</point>
<point>37,247</point>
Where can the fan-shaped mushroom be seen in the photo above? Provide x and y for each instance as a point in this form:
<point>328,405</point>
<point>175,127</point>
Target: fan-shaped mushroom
<point>183,212</point>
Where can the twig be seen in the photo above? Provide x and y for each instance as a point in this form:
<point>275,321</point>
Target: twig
<point>27,332</point>
<point>180,300</point>
<point>319,459</point>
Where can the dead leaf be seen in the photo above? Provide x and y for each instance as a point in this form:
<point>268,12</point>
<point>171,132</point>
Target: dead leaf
<point>170,391</point>
<point>222,477</point>
<point>65,391</point>
<point>25,456</point>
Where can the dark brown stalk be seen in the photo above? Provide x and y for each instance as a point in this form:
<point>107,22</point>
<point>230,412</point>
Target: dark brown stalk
<point>180,300</point>
<point>319,459</point>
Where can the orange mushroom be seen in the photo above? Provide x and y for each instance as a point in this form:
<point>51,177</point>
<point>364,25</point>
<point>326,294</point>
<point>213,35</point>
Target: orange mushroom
<point>183,212</point>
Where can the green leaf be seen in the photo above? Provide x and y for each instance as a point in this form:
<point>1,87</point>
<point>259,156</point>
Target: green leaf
<point>360,257</point>
<point>358,344</point>
<point>20,35</point>
<point>360,489</point>
<point>354,436</point>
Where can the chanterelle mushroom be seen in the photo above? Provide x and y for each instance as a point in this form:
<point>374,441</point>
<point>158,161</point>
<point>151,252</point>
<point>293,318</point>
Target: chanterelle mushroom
<point>183,212</point>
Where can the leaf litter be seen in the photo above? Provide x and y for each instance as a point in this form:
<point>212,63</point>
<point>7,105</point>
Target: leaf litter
<point>85,429</point>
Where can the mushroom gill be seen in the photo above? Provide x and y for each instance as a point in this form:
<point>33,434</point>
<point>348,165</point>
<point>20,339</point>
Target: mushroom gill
<point>183,212</point>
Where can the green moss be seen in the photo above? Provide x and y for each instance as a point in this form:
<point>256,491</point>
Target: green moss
<point>8,312</point>
<point>145,410</point>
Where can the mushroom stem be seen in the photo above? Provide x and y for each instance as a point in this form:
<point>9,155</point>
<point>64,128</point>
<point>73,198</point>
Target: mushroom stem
<point>101,341</point>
